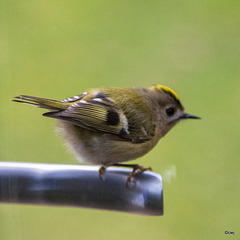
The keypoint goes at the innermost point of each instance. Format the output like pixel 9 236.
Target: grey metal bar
pixel 80 186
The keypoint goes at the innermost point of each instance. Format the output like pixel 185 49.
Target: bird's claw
pixel 136 169
pixel 101 171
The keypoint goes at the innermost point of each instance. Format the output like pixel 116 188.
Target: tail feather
pixel 41 102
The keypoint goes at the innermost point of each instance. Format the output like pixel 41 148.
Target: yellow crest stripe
pixel 166 89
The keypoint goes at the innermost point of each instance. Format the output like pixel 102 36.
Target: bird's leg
pixel 136 168
pixel 101 171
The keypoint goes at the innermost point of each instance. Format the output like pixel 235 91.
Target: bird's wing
pixel 101 115
pixel 94 114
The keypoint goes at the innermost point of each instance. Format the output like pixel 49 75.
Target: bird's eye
pixel 170 111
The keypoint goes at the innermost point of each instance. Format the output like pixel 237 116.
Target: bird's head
pixel 170 109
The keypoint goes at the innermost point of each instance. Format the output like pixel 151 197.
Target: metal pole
pixel 80 186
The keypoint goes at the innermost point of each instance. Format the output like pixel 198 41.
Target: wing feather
pixel 97 111
pixel 99 116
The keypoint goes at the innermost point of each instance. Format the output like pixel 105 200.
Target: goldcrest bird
pixel 108 126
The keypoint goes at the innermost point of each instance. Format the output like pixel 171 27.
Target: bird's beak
pixel 186 115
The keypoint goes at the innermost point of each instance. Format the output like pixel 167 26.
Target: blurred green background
pixel 57 49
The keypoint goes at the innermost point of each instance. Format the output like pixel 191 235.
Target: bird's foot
pixel 136 169
pixel 101 171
